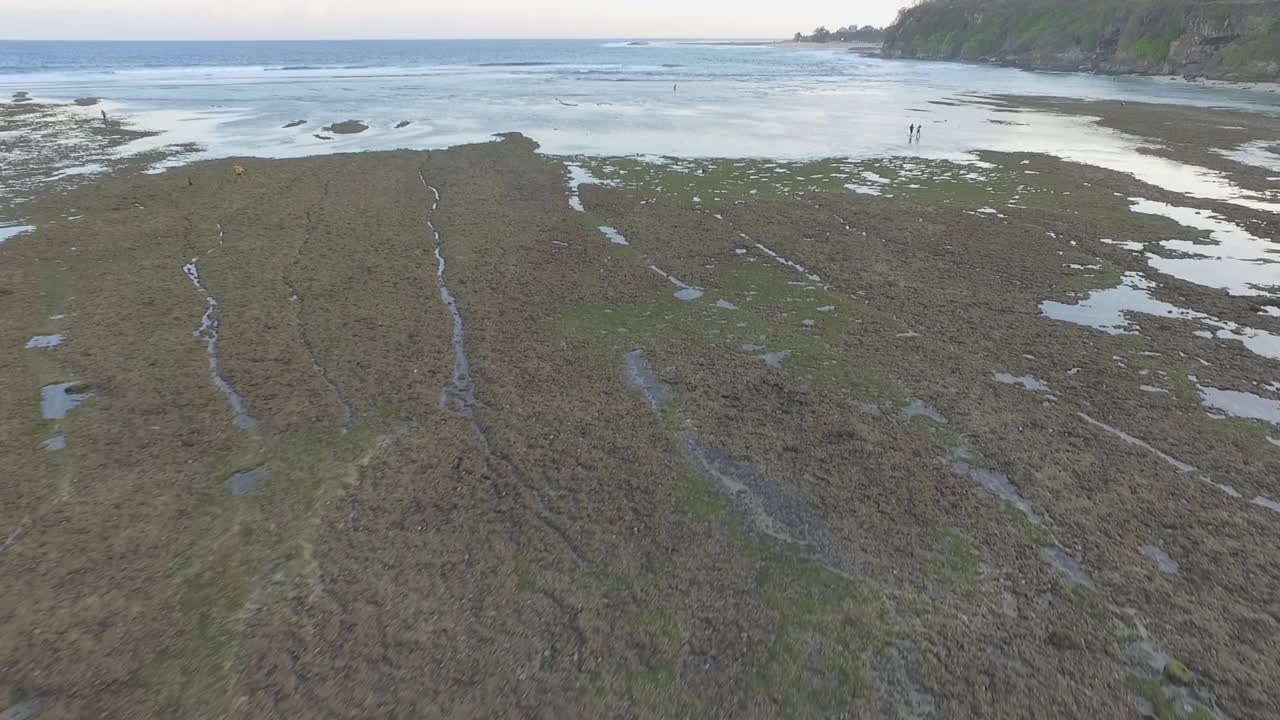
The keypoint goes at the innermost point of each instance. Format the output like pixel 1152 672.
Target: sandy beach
pixel 487 432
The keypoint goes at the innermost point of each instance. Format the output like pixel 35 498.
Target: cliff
pixel 1234 39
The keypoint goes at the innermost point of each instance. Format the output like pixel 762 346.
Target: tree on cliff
pixel 851 33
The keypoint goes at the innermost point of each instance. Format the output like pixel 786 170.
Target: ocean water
pixel 574 97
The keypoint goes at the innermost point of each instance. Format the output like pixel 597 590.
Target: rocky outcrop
pixel 1235 40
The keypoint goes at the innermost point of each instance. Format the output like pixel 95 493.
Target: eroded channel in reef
pixel 459 397
pixel 208 331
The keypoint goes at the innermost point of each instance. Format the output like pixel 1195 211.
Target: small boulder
pixel 86 101
pixel 402 124
pixel 294 124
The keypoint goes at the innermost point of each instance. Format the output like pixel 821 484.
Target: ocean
pixel 597 97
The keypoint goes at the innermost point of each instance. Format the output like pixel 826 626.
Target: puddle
pixel 864 189
pixel 55 443
pixel 614 236
pixel 920 408
pixel 460 395
pixel 208 330
pixel 1027 382
pixel 1070 568
pixel 243 483
pixel 1181 466
pixel 725 305
pixel 1267 503
pixel 9 230
pixel 578 176
pixel 1107 310
pixel 1229 490
pixel 1126 244
pixel 1240 404
pixel 998 484
pixel 774 359
pixel 1235 260
pixel 639 375
pixel 59 399
pixel 743 483
pixel 1256 153
pixel 787 263
pixel 686 292
pixel 29 709
pixel 867 408
pixel 761 498
pixel 1166 564
pixel 45 341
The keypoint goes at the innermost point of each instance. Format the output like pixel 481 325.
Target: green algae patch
pixel 825 628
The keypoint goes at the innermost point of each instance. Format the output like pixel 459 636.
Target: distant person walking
pixel 911 131
pixel 918 129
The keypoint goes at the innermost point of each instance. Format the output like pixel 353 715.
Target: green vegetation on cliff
pixel 1238 38
pixel 852 33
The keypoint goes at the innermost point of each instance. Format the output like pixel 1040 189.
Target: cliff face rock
pixel 1235 39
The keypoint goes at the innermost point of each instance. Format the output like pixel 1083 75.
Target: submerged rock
pixel 403 124
pixel 346 127
pixel 243 483
pixel 1178 673
pixel 86 101
pixel 294 124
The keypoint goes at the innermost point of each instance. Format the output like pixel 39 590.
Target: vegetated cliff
pixel 1229 39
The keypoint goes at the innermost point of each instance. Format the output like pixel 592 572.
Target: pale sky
pixel 309 19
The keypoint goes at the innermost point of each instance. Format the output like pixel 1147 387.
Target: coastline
pixel 1269 86
pixel 862 47
pixel 889 310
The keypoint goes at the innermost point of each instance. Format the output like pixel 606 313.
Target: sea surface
pixel 574 97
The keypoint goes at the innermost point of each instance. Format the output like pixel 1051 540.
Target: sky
pixel 334 19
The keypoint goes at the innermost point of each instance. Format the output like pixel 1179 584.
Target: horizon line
pixel 649 38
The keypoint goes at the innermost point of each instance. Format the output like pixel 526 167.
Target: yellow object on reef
pixel 238 170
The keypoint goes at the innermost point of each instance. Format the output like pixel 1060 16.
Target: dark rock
pixel 294 124
pixel 346 127
pixel 1064 640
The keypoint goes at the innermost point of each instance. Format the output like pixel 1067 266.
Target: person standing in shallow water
pixel 911 131
pixel 918 129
